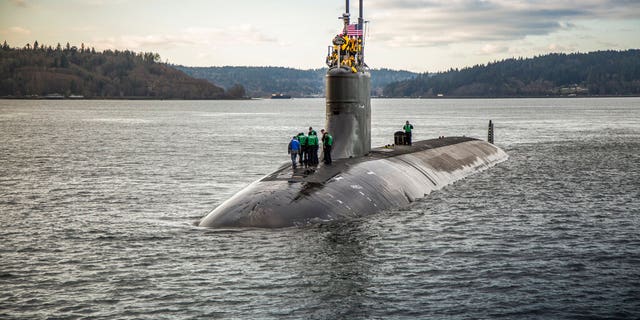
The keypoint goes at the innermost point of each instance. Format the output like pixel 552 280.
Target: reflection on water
pixel 343 282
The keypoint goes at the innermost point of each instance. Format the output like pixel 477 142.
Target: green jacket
pixel 407 128
pixel 327 140
pixel 303 139
pixel 312 140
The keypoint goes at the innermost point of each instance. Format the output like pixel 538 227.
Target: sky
pixel 414 35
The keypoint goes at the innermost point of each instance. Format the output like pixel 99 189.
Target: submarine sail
pixel 348 91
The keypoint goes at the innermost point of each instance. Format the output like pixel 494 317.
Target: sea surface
pixel 98 201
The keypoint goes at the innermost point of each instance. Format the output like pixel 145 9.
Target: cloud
pixel 16 31
pixel 19 3
pixel 190 37
pixel 554 47
pixel 424 23
pixel 245 35
pixel 101 3
pixel 492 49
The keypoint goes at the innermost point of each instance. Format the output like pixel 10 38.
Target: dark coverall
pixel 312 149
pixel 327 143
pixel 304 154
pixel 407 133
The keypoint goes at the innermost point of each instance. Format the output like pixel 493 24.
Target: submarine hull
pixel 384 179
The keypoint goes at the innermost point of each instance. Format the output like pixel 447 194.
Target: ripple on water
pixel 98 205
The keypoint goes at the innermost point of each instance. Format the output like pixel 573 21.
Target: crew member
pixel 327 142
pixel 312 142
pixel 304 154
pixel 312 150
pixel 407 132
pixel 293 150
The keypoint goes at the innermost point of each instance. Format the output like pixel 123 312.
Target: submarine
pixel 360 181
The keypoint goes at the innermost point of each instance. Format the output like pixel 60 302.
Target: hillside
pixel 610 73
pixel 37 71
pixel 263 81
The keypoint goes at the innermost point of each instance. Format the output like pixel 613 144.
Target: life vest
pixel 352 64
pixel 407 128
pixel 353 45
pixel 345 44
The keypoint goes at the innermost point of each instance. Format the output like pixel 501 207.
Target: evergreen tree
pixel 64 62
pixel 25 72
pixel 596 73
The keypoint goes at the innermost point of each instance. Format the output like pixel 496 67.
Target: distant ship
pixel 280 96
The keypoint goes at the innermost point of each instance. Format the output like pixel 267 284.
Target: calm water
pixel 98 201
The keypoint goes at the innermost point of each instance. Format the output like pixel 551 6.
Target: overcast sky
pixel 415 35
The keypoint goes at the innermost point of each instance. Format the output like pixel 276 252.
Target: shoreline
pixel 259 98
pixel 116 98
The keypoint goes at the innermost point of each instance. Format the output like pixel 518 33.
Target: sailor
pixel 345 43
pixel 312 149
pixel 293 150
pixel 303 149
pixel 353 45
pixel 327 142
pixel 407 132
pixel 352 63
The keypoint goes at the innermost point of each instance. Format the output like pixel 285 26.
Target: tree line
pixel 600 73
pixel 264 81
pixel 37 70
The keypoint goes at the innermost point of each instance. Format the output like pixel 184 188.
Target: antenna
pixel 359 17
pixel 346 16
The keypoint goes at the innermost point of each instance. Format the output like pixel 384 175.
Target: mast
pixel 346 17
pixel 361 27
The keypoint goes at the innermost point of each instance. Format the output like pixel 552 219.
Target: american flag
pixel 354 30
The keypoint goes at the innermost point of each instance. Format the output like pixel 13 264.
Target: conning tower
pixel 348 90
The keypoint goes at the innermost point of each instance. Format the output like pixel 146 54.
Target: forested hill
pixel 610 73
pixel 263 81
pixel 40 71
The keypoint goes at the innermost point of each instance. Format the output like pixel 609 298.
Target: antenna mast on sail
pixel 346 17
pixel 361 28
pixel 348 46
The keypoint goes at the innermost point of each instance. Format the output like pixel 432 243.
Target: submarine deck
pixel 323 173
